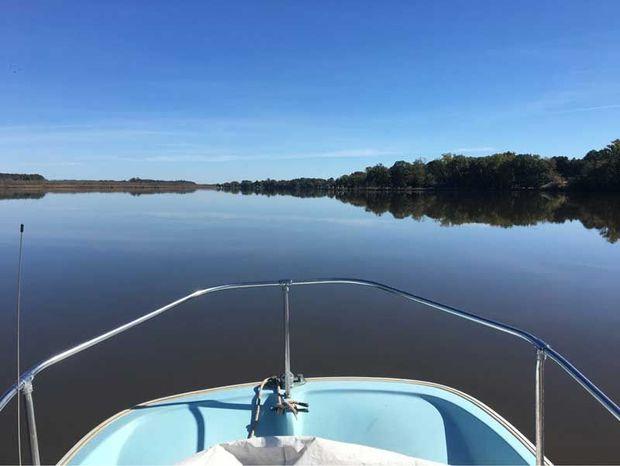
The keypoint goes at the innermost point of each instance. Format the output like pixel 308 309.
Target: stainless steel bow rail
pixel 543 350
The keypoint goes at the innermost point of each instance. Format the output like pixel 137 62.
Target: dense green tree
pixel 400 174
pixel 567 168
pixel 601 169
pixel 377 176
pixel 21 177
pixel 417 178
pixel 531 171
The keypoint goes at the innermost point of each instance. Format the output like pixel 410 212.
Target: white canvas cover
pixel 300 451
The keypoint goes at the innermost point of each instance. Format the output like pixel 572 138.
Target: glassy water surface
pixel 548 263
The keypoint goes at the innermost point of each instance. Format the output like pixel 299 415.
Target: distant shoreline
pixel 83 186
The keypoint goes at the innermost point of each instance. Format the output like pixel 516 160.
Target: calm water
pixel 549 264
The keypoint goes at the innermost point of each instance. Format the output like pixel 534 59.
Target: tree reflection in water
pixel 499 208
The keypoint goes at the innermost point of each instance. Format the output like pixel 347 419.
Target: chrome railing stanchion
pixel 32 426
pixel 540 407
pixel 288 375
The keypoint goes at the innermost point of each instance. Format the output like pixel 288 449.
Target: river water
pixel 549 264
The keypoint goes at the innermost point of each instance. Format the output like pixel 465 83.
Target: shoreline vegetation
pixel 597 171
pixel 599 211
pixel 13 185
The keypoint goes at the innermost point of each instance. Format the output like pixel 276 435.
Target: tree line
pixel 598 170
pixel 7 177
pixel 21 177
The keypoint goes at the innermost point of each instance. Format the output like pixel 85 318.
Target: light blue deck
pixel 415 419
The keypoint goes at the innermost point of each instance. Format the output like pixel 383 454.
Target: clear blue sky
pixel 213 91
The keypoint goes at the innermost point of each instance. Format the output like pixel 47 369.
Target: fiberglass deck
pixel 418 419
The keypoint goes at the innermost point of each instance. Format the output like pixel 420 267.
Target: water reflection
pixel 36 193
pixel 12 194
pixel 501 209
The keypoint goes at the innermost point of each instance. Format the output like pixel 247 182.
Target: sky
pixel 228 90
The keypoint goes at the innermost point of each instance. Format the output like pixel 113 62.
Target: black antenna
pixel 18 318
